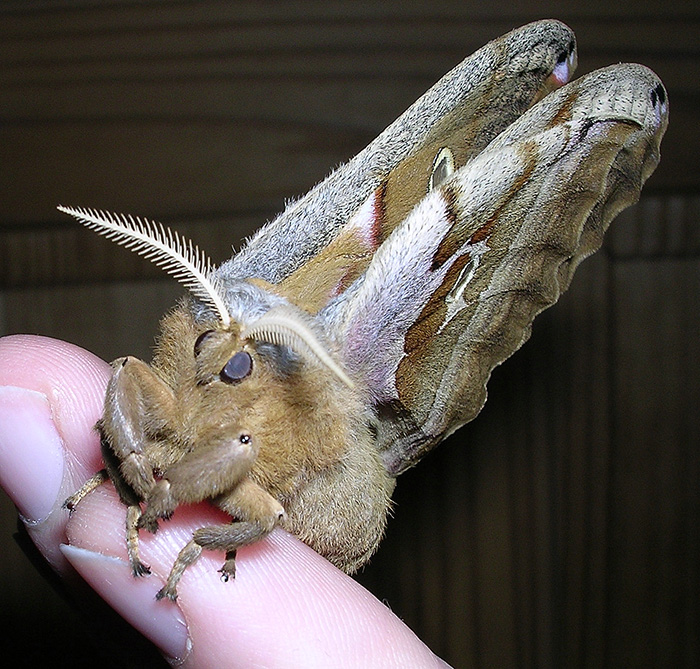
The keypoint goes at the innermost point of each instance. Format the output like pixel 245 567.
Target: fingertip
pixel 288 606
pixel 73 381
pixel 28 437
pixel 54 394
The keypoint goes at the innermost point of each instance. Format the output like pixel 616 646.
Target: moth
pixel 359 328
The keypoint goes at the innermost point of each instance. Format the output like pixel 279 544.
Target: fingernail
pixel 134 599
pixel 31 452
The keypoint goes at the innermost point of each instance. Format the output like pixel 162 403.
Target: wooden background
pixel 561 527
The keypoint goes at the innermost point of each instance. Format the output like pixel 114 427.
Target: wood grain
pixel 559 529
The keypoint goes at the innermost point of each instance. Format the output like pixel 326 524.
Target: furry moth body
pixel 358 329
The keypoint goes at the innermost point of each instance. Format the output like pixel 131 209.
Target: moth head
pixel 220 355
pixel 268 377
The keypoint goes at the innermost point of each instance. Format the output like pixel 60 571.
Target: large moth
pixel 358 329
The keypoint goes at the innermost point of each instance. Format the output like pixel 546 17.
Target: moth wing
pixel 471 104
pixel 452 293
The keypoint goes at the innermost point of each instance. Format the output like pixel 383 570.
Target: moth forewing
pixel 471 104
pixel 504 233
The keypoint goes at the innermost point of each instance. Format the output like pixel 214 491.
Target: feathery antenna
pixel 279 326
pixel 167 249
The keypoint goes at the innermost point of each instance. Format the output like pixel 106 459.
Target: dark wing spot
pixel 566 53
pixel 658 95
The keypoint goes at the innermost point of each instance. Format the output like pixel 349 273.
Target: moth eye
pixel 237 368
pixel 443 167
pixel 245 438
pixel 200 341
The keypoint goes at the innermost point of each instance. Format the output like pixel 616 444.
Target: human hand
pixel 287 607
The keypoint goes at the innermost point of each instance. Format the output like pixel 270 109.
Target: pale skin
pixel 287 605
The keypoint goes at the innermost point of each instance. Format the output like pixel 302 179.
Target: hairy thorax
pixel 315 444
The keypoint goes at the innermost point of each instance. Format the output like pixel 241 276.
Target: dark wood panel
pixel 561 528
pixel 657 227
pixel 119 15
pixel 653 523
pixel 67 254
pixel 223 98
pixel 110 319
pixel 161 42
pixel 64 253
pixel 161 169
pixel 342 90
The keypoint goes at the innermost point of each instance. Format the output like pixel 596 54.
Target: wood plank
pixel 111 320
pixel 653 580
pixel 561 527
pixel 89 16
pixel 657 227
pixel 161 169
pixel 378 84
pixel 142 44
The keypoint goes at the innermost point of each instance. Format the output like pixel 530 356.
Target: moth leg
pixel 133 391
pixel 189 554
pixel 228 570
pixel 138 408
pixel 160 504
pixel 257 513
pixel 249 502
pixel 138 568
pixel 95 481
pixel 220 463
pixel 215 537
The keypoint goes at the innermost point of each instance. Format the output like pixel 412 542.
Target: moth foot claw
pixel 228 570
pixel 139 569
pixel 167 593
pixel 148 523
